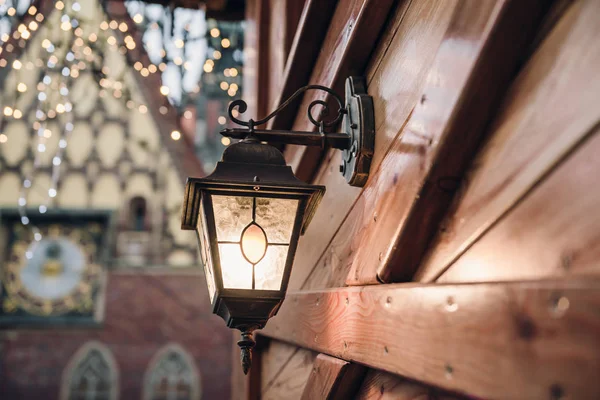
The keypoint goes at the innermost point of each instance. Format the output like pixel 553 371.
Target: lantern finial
pixel 246 345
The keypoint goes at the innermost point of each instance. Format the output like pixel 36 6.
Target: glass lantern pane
pixel 269 272
pixel 237 272
pixel 205 253
pixel 232 215
pixel 276 217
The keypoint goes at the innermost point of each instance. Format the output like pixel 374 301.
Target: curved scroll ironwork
pixel 242 107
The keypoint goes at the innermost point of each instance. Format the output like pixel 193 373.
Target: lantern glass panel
pixel 205 253
pixel 253 236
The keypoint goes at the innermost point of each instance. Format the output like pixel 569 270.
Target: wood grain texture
pixel 332 379
pixel 379 385
pixel 550 107
pixel 416 182
pixel 350 39
pixel 289 384
pixel 274 359
pixel 541 337
pixel 303 52
pixel 554 231
pixel 418 29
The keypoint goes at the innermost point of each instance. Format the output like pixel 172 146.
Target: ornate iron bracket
pixel 358 123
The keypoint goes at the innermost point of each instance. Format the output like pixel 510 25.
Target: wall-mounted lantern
pixel 250 212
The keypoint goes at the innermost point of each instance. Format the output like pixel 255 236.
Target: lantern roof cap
pixel 251 151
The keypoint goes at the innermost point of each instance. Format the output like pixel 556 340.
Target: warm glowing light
pixel 143 109
pixel 210 62
pixel 47 133
pixel 21 87
pixel 104 25
pixel 113 24
pixel 216 54
pixel 17 64
pixel 111 40
pixel 11 11
pixel 187 114
pixel 224 85
pixel 178 60
pixel 144 72
pixel 175 135
pixel 17 114
pixel 225 141
pixel 225 43
pixel 33 25
pixel 32 10
pixel 222 120
pixel 59 5
pixel 123 27
pixel 130 45
pixel 65 26
pixel 152 68
pixel 214 32
pixel 254 243
pixel 179 43
pixel 93 37
pixel 138 66
pixel 138 18
pixel 162 66
pixel 226 72
pixel 233 72
pixel 208 68
pixel 231 92
pixel 233 87
pixel 8 111
pixel 39 17
pixel 164 90
pixel 3 138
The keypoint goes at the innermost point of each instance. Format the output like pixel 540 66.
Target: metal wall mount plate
pixel 359 125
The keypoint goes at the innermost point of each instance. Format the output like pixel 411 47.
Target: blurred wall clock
pixel 58 279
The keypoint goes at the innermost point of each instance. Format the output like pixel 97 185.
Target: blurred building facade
pixel 87 128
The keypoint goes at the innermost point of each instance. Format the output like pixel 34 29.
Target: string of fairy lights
pixel 61 63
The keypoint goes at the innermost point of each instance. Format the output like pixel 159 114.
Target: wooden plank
pixel 289 384
pixel 274 359
pixel 351 37
pixel 312 28
pixel 418 29
pixel 419 174
pixel 495 340
pixel 550 107
pixel 383 386
pixel 554 230
pixel 332 379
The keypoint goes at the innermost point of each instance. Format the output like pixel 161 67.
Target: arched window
pixel 137 214
pixel 91 374
pixel 172 375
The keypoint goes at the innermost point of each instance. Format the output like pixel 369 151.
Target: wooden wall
pixel 485 172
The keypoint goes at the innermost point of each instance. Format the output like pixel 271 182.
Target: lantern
pixel 250 212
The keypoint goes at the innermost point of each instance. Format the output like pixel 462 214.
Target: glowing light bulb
pixel 254 243
pixel 214 32
pixel 216 54
pixel 225 43
pixel 138 18
pixel 3 138
pixel 222 120
pixel 17 64
pixel 164 90
pixel 175 135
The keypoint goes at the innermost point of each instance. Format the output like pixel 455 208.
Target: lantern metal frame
pixel 252 168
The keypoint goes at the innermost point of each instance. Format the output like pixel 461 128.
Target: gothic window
pixel 172 375
pixel 137 214
pixel 90 375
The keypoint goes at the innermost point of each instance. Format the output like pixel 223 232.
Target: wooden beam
pixel 420 174
pixel 532 134
pixel 351 37
pixel 407 48
pixel 554 229
pixel 303 53
pixel 332 379
pixel 500 340
pixel 289 383
pixel 379 385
